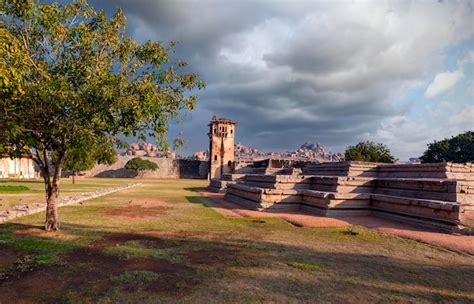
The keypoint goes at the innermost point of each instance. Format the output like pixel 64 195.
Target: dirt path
pixel 455 242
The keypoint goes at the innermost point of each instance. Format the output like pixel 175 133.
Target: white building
pixel 17 167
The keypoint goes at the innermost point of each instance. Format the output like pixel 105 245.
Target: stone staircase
pixel 439 195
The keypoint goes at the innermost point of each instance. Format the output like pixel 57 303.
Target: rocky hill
pixel 307 151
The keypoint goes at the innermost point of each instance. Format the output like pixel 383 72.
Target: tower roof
pixel 221 120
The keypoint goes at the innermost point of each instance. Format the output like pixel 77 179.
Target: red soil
pixel 135 212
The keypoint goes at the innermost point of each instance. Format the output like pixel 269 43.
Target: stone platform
pixel 440 195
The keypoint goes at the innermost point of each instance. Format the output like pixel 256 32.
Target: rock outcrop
pixel 307 151
pixel 149 150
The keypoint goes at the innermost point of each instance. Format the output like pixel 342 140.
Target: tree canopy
pixel 370 152
pixel 69 74
pixel 141 165
pixel 458 149
pixel 87 155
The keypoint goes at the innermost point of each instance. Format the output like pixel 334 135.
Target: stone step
pixel 420 209
pixel 433 170
pixel 417 188
pixel 217 185
pixel 450 197
pixel 283 186
pixel 334 200
pixel 233 177
pixel 277 178
pixel 426 203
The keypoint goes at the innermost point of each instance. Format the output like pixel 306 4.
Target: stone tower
pixel 221 146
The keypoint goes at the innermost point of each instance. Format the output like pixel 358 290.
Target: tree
pixel 141 165
pixel 458 149
pixel 85 81
pixel 370 152
pixel 178 142
pixel 86 156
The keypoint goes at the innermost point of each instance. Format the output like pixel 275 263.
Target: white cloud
pixel 464 120
pixel 443 82
pixel 468 58
pixel 408 137
pixel 405 137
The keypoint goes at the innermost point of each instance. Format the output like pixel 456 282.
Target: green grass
pixel 191 253
pixel 13 188
pixel 306 266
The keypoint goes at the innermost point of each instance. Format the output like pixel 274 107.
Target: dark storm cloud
pixel 289 72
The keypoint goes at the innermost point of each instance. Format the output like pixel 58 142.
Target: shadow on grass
pixel 214 270
pixel 194 189
pixel 201 200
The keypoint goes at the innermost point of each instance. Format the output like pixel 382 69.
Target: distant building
pixel 17 167
pixel 221 146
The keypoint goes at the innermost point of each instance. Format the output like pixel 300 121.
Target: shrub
pixel 370 152
pixel 140 165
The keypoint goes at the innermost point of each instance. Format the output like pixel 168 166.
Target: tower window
pixel 229 164
pixel 231 131
pixel 215 157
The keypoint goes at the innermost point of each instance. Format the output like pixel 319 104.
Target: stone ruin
pixel 146 149
pixel 201 155
pixel 438 194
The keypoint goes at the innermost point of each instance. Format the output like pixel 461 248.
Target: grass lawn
pixel 13 192
pixel 160 242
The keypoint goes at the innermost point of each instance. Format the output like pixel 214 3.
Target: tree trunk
pixel 52 193
pixel 52 219
pixel 73 177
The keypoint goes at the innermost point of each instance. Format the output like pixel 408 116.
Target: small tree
pixel 370 152
pixel 178 142
pixel 140 165
pixel 458 149
pixel 86 156
pixel 69 74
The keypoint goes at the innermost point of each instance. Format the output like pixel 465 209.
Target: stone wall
pixel 167 168
pixel 17 167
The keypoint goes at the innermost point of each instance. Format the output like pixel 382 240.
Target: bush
pixel 457 149
pixel 370 152
pixel 140 165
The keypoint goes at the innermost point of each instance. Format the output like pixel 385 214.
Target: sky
pixel 334 72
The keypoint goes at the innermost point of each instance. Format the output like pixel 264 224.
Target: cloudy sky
pixel 334 72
